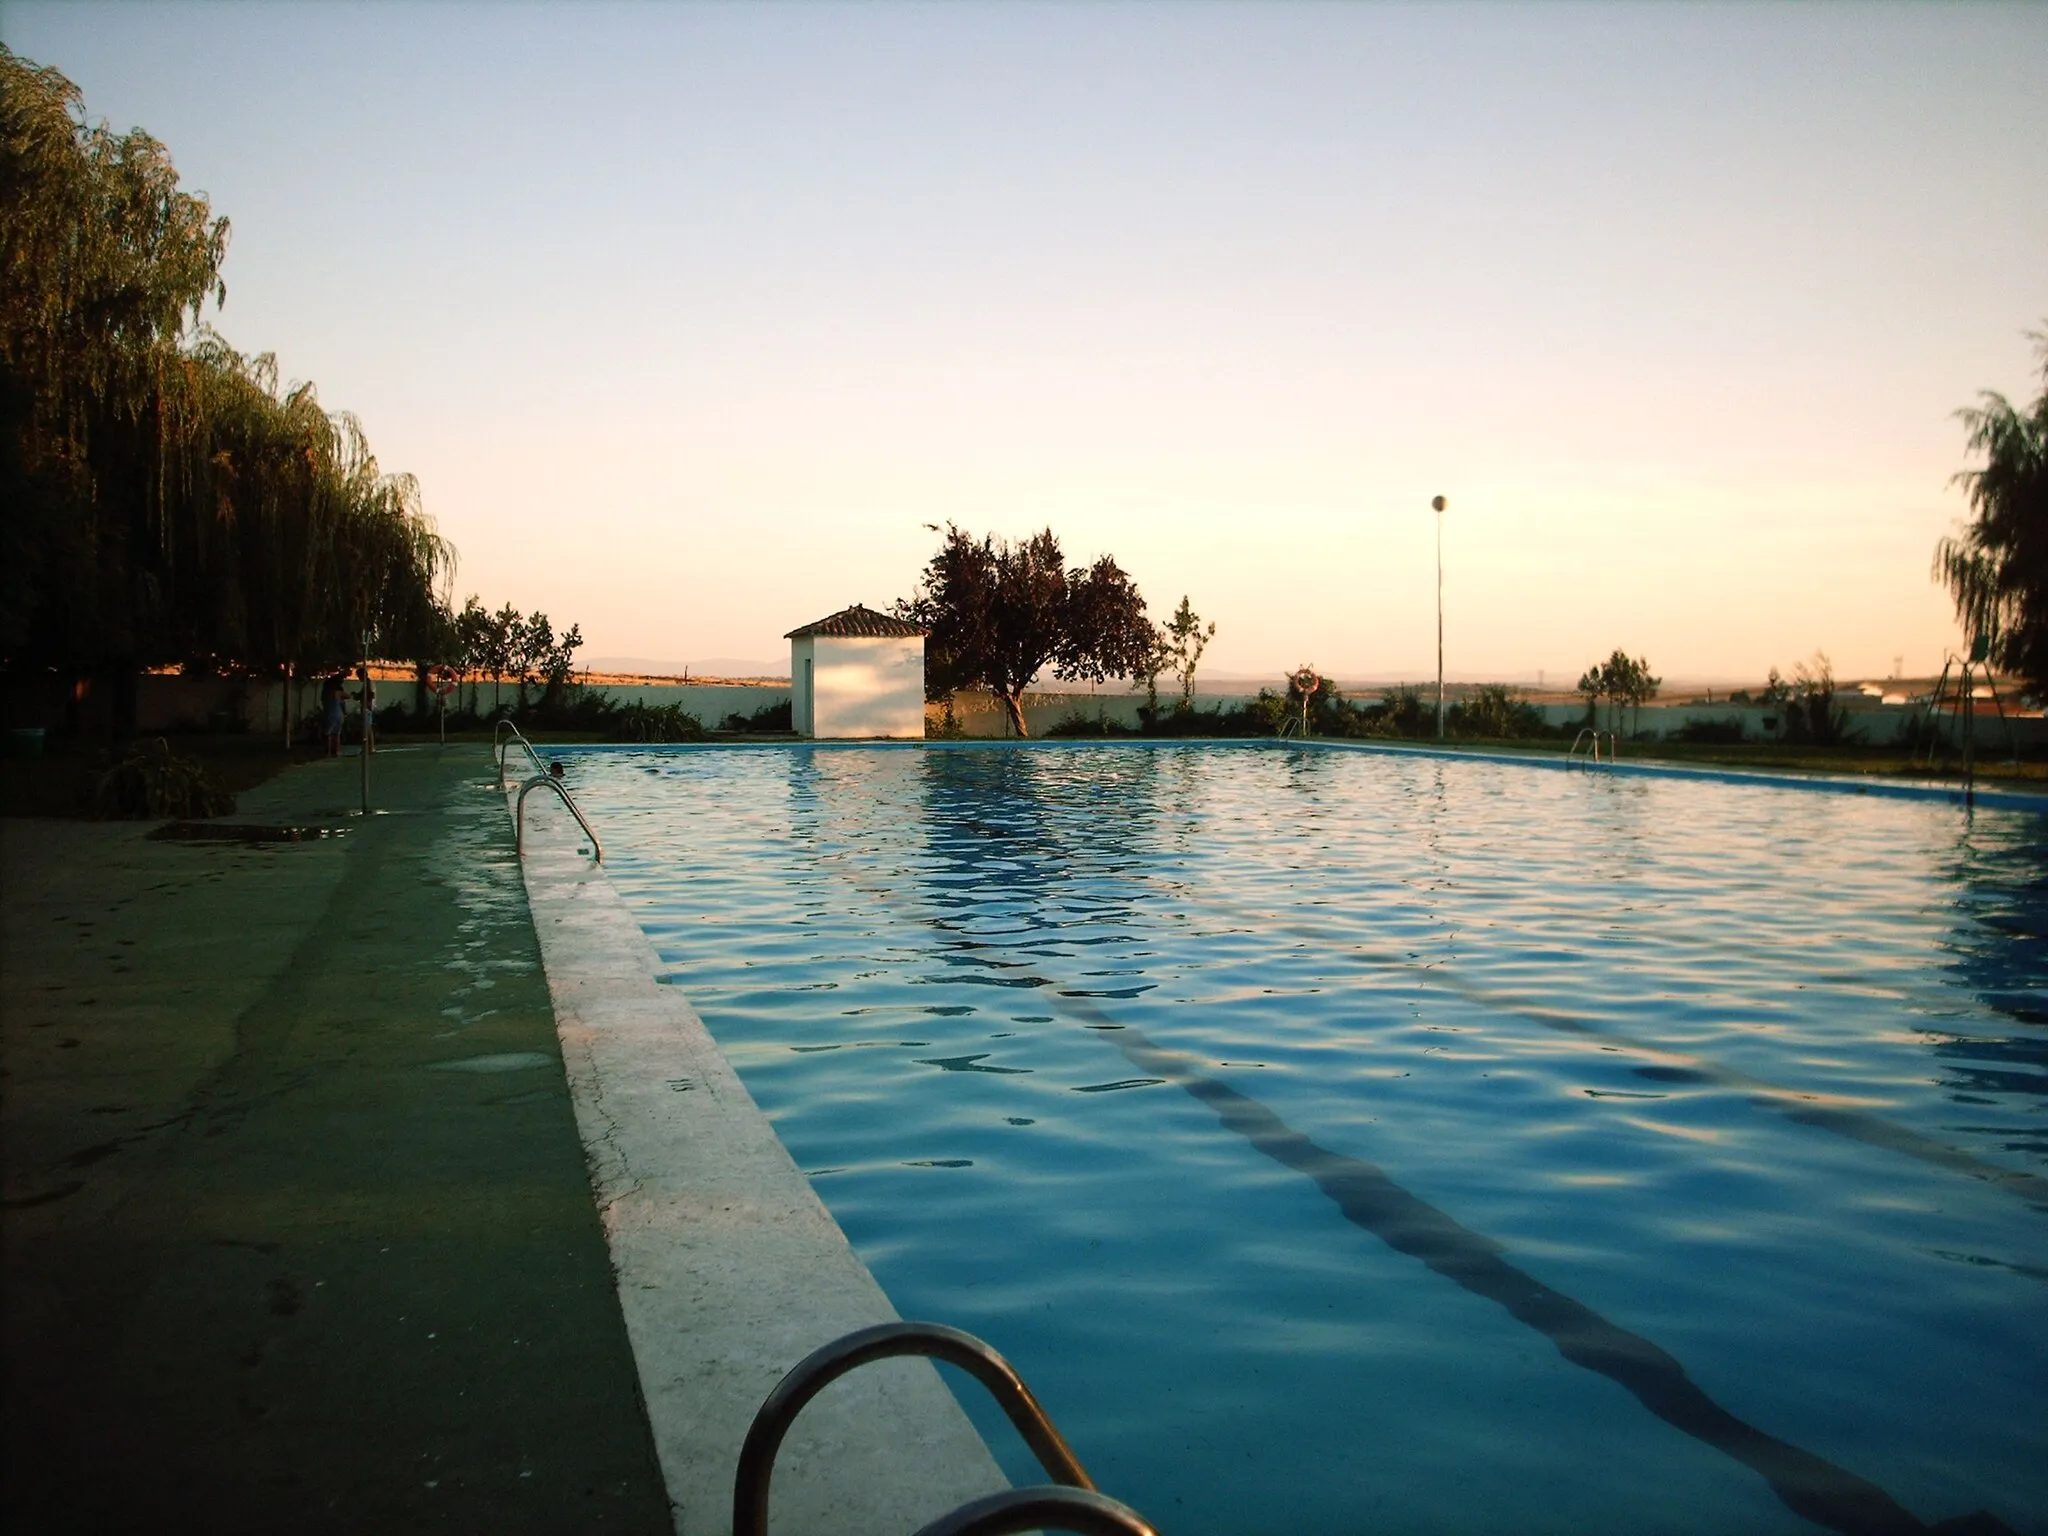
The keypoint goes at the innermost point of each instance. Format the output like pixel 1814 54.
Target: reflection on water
pixel 1750 1076
pixel 1999 954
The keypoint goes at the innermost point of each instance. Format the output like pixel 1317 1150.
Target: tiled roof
pixel 858 621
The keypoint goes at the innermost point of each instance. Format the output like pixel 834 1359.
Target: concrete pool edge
pixel 729 1269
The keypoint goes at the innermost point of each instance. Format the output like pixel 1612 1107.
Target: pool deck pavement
pixel 299 1228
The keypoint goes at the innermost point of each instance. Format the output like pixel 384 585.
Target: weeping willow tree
pixel 311 555
pixel 168 501
pixel 103 263
pixel 1996 568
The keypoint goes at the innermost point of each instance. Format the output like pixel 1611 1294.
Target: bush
pixel 1718 733
pixel 769 717
pixel 1401 712
pixel 151 781
pixel 1495 711
pixel 1263 716
pixel 652 723
pixel 1077 722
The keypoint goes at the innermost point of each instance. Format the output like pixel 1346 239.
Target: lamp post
pixel 1439 503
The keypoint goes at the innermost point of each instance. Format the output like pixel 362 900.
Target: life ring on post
pixel 442 681
pixel 1305 681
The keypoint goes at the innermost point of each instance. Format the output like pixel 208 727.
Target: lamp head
pixel 1438 502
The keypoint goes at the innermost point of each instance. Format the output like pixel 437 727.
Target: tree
pixel 1812 716
pixel 997 614
pixel 166 500
pixel 1624 681
pixel 1996 567
pixel 472 644
pixel 501 647
pixel 532 643
pixel 1638 688
pixel 102 260
pixel 559 665
pixel 1593 684
pixel 1181 643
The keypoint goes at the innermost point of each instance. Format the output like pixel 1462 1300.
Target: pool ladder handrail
pixel 1594 758
pixel 1071 1503
pixel 500 746
pixel 527 787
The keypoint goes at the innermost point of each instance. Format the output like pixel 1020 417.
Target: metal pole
pixel 1969 738
pixel 363 676
pixel 1439 503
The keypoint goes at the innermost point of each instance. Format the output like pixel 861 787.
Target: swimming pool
pixel 1350 1142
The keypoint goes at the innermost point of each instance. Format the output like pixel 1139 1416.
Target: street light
pixel 1439 503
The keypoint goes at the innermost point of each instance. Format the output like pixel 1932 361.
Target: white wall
pixel 803 711
pixel 866 686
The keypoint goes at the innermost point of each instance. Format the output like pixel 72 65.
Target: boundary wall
pixel 176 703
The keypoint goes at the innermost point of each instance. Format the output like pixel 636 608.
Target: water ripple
pixel 1758 1075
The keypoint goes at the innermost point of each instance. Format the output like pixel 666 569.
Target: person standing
pixel 333 693
pixel 366 696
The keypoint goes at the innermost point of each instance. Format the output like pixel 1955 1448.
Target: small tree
pixel 998 613
pixel 1813 716
pixel 1624 681
pixel 1996 568
pixel 472 644
pixel 1182 639
pixel 533 643
pixel 1593 684
pixel 501 647
pixel 1639 688
pixel 558 665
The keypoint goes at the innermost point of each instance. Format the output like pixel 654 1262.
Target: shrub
pixel 1401 712
pixel 1263 716
pixel 769 717
pixel 1495 711
pixel 152 781
pixel 1725 732
pixel 1075 723
pixel 654 723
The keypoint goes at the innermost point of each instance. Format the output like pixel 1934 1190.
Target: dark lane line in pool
pixel 1810 1486
pixel 1799 1107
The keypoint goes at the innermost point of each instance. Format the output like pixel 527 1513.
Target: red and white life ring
pixel 442 681
pixel 1305 681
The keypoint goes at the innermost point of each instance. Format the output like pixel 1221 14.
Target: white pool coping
pixel 729 1267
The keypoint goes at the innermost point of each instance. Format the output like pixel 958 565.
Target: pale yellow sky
pixel 688 318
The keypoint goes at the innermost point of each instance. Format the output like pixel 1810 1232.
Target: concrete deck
pixel 730 1268
pixel 298 1227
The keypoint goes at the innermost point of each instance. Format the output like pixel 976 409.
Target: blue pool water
pixel 1343 1141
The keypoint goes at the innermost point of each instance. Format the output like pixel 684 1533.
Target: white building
pixel 857 673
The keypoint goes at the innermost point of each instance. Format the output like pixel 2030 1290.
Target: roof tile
pixel 858 622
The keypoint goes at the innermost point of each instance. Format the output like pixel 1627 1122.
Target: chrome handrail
pixel 1041 1509
pixel 500 746
pixel 1578 740
pixel 528 787
pixel 984 1517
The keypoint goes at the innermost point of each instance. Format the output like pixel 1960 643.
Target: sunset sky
pixel 690 317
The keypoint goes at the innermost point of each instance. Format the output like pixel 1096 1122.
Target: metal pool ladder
pixel 1069 1503
pixel 1592 759
pixel 501 745
pixel 529 785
